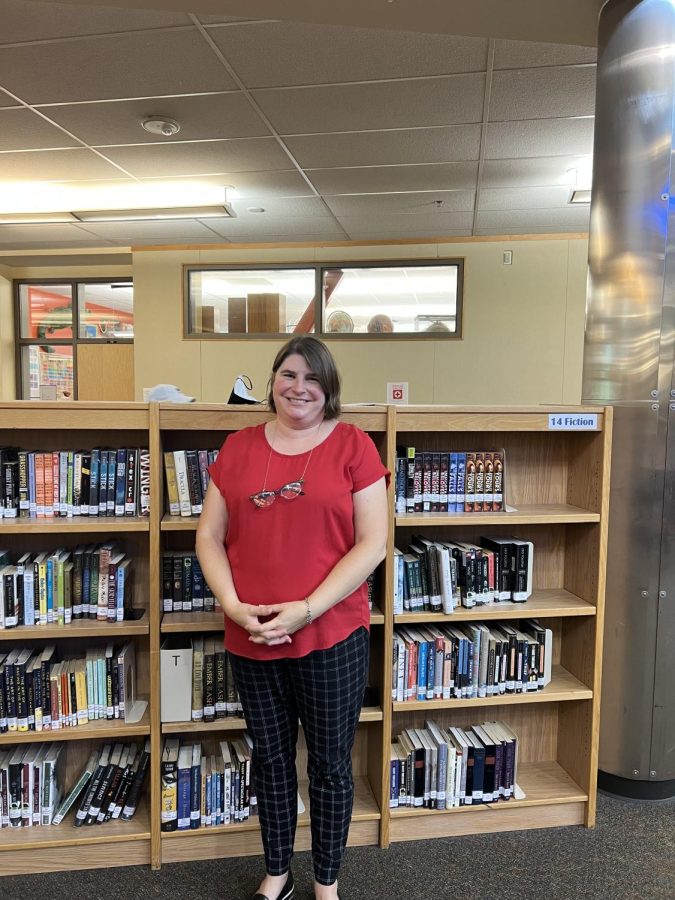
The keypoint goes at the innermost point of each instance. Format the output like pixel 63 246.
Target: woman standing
pixel 294 521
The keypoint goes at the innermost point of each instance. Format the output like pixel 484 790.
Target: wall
pixel 7 359
pixel 522 341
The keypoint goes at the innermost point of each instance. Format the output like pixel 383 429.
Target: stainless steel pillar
pixel 628 363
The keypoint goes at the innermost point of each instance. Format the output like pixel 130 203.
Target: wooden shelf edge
pixel 562 687
pixel 75 525
pixel 544 784
pixel 524 515
pixel 80 628
pixel 102 729
pixel 64 835
pixel 546 603
pixel 179 523
pixel 238 723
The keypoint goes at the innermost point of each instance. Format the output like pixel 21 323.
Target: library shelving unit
pixel 201 426
pixel 557 491
pixel 557 494
pixel 74 426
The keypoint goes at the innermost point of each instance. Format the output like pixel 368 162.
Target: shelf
pixel 80 628
pixel 238 723
pixel 563 686
pixel 376 616
pixel 66 835
pixel 75 525
pixel 543 783
pixel 365 810
pixel 192 621
pixel 102 729
pixel 201 621
pixel 542 604
pixel 179 523
pixel 534 514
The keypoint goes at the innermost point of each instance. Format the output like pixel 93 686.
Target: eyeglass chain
pixel 269 458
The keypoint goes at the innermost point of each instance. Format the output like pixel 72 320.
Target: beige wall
pixel 7 359
pixel 522 335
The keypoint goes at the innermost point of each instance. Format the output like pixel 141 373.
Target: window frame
pixel 21 342
pixel 319 269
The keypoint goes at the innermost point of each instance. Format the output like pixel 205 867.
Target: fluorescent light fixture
pixel 144 215
pixel 580 197
pixel 42 203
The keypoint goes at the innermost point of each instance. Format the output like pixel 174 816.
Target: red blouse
pixel 282 553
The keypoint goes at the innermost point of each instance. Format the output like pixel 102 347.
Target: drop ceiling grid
pixel 381 123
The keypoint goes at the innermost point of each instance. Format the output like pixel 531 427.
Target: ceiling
pixel 337 133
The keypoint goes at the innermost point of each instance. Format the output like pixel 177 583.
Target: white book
pixel 182 482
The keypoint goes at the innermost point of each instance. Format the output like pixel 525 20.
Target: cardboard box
pixel 176 679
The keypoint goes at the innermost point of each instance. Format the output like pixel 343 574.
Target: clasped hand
pixel 286 619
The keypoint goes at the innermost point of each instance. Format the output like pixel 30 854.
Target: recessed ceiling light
pixel 580 197
pixel 255 209
pixel 160 125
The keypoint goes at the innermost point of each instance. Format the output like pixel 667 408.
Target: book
pixel 169 785
pixel 80 785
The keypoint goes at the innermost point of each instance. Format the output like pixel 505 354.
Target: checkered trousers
pixel 325 691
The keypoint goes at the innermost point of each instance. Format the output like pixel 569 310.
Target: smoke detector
pixel 160 125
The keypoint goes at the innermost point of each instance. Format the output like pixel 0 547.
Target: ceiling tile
pixel 260 226
pixel 532 229
pixel 383 179
pixel 22 129
pixel 540 218
pixel 59 233
pixel 422 223
pixel 403 204
pixel 200 158
pixel 200 117
pixel 543 93
pixel 6 100
pixel 26 21
pixel 255 185
pixel 524 198
pixel 51 245
pixel 284 53
pixel 56 165
pixel 180 231
pixel 356 107
pixel 533 171
pixel 300 207
pixel 539 137
pixel 143 64
pixel 420 145
pixel 523 54
pixel 405 232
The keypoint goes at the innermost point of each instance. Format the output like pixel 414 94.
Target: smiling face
pixel 298 396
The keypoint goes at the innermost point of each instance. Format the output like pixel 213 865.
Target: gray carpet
pixel 630 854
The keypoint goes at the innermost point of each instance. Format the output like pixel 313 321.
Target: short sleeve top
pixel 282 553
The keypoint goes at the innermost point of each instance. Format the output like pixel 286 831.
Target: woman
pixel 294 521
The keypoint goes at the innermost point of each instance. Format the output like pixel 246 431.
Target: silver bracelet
pixel 309 618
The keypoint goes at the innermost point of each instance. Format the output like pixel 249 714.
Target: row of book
pixel 67 584
pixel 201 789
pixel 187 478
pixel 109 787
pixel 212 692
pixel 184 588
pixel 449 482
pixel 38 692
pixel 471 660
pixel 98 482
pixel 439 576
pixel 441 768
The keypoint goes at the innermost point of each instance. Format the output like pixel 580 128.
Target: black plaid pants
pixel 324 690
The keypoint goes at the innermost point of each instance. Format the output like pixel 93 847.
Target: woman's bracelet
pixel 309 618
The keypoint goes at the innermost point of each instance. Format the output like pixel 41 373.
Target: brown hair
pixel 320 360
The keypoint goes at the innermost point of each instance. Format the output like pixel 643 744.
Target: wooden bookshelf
pixel 74 426
pixel 557 496
pixel 557 487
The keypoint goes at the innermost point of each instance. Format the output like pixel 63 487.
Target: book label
pixel 573 422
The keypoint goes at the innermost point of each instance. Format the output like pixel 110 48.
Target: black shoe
pixel 286 892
